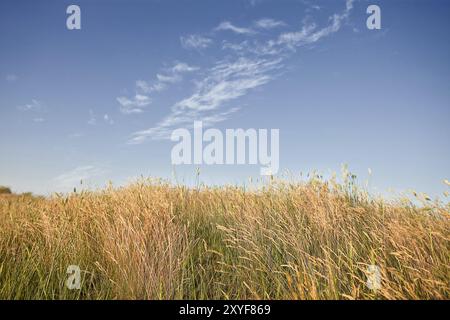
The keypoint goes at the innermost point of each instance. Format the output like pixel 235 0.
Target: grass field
pixel 154 240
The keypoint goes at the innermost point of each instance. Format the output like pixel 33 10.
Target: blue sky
pixel 99 103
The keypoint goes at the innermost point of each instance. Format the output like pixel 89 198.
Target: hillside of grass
pixel 154 240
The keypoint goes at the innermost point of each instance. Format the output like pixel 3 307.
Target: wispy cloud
pixel 228 26
pixel 226 81
pixel 145 87
pixel 164 129
pixel 134 105
pixel 252 47
pixel 93 118
pixel 137 103
pixel 74 177
pixel 34 105
pixel 268 23
pixel 107 118
pixel 310 34
pixel 311 6
pixel 195 41
pixel 173 78
pixel 255 64
pixel 181 67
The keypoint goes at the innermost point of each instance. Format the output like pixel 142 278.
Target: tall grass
pixel 154 240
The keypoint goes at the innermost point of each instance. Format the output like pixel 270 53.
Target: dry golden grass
pixel 153 240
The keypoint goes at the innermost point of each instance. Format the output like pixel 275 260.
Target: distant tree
pixel 5 190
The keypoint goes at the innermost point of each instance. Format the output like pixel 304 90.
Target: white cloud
pixel 181 67
pixel 165 128
pixel 134 105
pixel 309 33
pixel 195 41
pixel 38 120
pixel 253 47
pixel 311 6
pixel 160 84
pixel 225 82
pixel 145 87
pixel 108 119
pixel 228 26
pixel 173 75
pixel 168 78
pixel 298 37
pixel 228 81
pixel 267 23
pixel 142 99
pixel 74 177
pixel 255 63
pixel 35 105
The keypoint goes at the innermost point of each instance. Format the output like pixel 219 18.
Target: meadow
pixel 284 240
